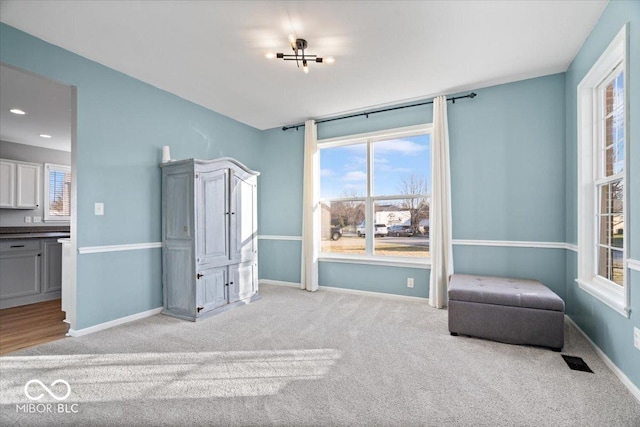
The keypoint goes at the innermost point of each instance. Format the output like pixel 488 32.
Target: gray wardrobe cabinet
pixel 209 235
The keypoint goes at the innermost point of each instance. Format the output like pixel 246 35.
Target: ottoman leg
pixel 455 334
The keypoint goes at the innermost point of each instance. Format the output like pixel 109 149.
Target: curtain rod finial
pixel 472 95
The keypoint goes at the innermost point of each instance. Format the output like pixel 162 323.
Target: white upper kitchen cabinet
pixel 20 184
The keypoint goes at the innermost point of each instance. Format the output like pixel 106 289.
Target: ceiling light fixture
pixel 298 46
pixel 44 135
pixel 18 111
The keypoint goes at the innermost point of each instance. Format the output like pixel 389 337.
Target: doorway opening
pixel 38 214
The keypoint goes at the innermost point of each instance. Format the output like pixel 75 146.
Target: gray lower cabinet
pixel 51 265
pixel 212 289
pixel 209 233
pixel 242 281
pixel 19 268
pixel 30 271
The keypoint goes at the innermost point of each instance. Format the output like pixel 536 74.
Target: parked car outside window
pixel 400 230
pixel 336 233
pixel 380 230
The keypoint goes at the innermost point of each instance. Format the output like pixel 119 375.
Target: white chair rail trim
pixel 514 244
pixel 633 264
pixel 118 248
pixel 275 237
pixel 468 242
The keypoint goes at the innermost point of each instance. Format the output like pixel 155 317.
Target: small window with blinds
pixel 57 189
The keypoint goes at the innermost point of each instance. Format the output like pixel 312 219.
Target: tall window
pixel 375 194
pixel 602 142
pixel 57 185
pixel 609 182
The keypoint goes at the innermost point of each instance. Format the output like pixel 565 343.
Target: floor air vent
pixel 576 363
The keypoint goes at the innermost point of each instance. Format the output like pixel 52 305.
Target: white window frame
pixel 370 138
pixel 590 133
pixel 47 168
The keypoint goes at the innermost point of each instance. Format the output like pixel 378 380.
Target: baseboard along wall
pixel 112 323
pixel 618 373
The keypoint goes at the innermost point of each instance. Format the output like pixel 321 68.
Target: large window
pixel 609 182
pixel 375 194
pixel 602 130
pixel 57 189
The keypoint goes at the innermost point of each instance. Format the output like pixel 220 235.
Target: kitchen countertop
pixel 42 232
pixel 44 235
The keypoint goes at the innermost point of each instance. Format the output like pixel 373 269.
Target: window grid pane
pixel 611 232
pixel 612 150
pixel 401 166
pixel 338 227
pixel 403 227
pixel 59 193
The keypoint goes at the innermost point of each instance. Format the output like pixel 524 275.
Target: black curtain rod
pixel 366 113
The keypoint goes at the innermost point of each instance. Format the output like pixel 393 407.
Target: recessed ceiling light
pixel 44 135
pixel 18 111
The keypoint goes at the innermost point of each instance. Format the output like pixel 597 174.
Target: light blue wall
pixel 507 166
pixel 507 162
pixel 122 125
pixel 279 260
pixel 612 332
pixel 280 190
pixel 374 278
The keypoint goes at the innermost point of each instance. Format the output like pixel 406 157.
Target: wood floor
pixel 29 325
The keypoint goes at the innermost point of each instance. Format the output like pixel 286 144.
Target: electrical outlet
pixel 37 219
pixel 27 219
pixel 636 337
pixel 410 282
pixel 99 208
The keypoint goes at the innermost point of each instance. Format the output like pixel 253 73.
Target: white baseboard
pixel 112 323
pixel 618 373
pixel 344 290
pixel 373 294
pixel 279 283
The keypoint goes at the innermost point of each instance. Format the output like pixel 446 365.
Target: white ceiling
pixel 48 108
pixel 212 53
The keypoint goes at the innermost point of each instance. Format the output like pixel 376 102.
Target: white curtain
pixel 440 212
pixel 310 233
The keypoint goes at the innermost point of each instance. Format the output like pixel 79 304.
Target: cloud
pixel 400 146
pixel 387 168
pixel 326 172
pixel 355 163
pixel 355 176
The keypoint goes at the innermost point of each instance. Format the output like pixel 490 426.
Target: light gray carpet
pixel 298 358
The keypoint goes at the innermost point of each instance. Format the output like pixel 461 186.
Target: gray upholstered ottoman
pixel 513 311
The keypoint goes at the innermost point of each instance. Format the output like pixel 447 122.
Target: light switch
pixel 99 208
pixel 37 219
pixel 27 219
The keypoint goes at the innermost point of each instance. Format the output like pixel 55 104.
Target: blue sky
pixel 343 170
